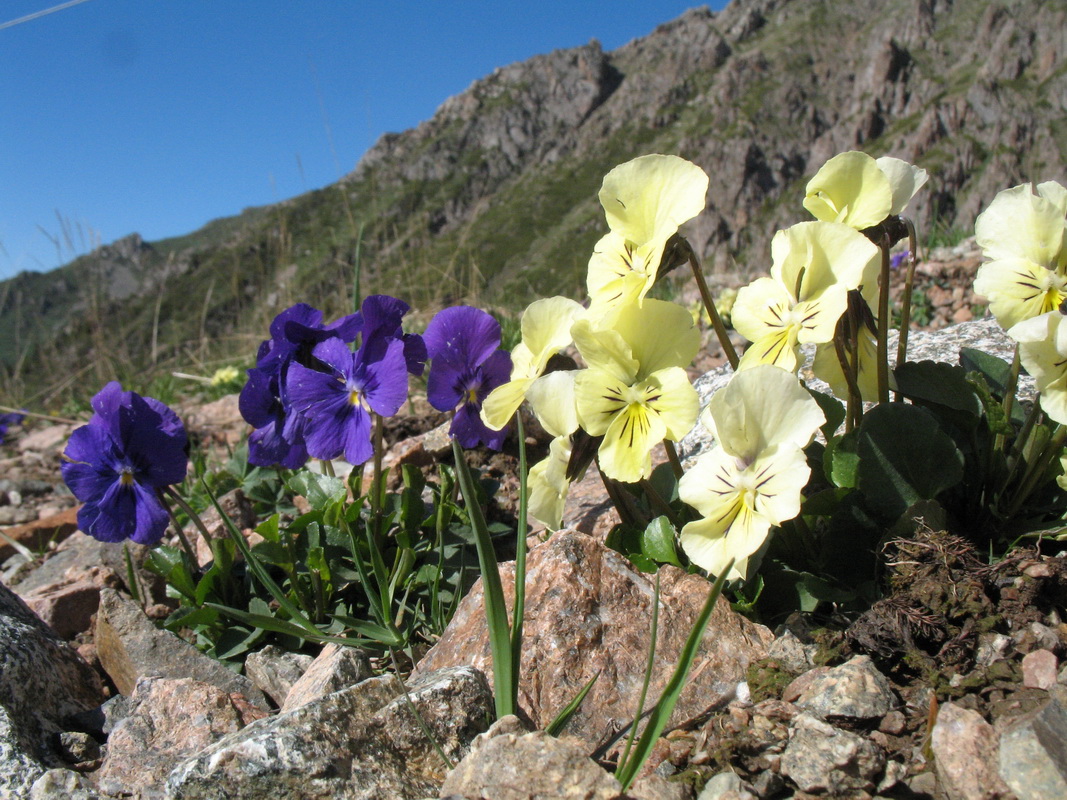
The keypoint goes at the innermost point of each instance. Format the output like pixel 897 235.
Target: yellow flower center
pixel 126 477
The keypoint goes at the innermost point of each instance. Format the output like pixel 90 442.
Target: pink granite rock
pixel 588 611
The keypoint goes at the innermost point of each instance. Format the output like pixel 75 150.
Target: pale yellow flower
pixel 859 191
pixel 1025 235
pixel 1043 351
pixel 546 330
pixel 753 478
pixel 548 485
pixel 635 392
pixel 644 200
pixel 815 264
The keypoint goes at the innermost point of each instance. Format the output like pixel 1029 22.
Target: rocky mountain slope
pixel 494 198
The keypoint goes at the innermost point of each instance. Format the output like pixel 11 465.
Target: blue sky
pixel 157 116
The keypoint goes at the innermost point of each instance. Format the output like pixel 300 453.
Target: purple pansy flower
pixel 336 405
pixel 278 436
pixel 897 259
pixel 382 315
pixel 262 408
pixel 9 419
pixel 132 447
pixel 465 366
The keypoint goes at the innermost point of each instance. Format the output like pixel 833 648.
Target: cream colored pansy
pixel 1043 351
pixel 635 392
pixel 1025 235
pixel 546 330
pixel 753 478
pixel 548 484
pixel 815 264
pixel 644 200
pixel 827 367
pixel 859 191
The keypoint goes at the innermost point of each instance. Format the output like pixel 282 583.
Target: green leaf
pixel 940 386
pixel 496 614
pixel 657 542
pixel 905 457
pixel 321 491
pixel 663 709
pixel 268 528
pixel 824 503
pixel 832 408
pixel 996 371
pixel 841 460
pixel 169 563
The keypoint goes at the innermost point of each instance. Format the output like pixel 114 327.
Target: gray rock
pixel 274 670
pixel 19 766
pixel 335 668
pixel 131 647
pixel 170 719
pixel 821 758
pixel 965 754
pixel 793 654
pixel 529 766
pixel 77 747
pixel 358 743
pixel 726 784
pixel 854 690
pixel 42 682
pixel 1033 751
pixel 65 784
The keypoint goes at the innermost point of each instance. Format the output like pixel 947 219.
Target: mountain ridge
pixel 493 199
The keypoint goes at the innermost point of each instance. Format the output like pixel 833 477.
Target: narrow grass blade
pixel 519 606
pixel 496 613
pixel 649 664
pixel 657 720
pixel 260 573
pixel 556 726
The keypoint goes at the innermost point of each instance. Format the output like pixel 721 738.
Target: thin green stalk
pixel 496 613
pixel 660 503
pixel 1009 397
pixel 713 312
pixel 905 302
pixel 1036 469
pixel 519 605
pixel 854 398
pixel 418 717
pixel 883 326
pixel 186 544
pixel 1019 445
pixel 327 468
pixel 378 482
pixel 48 417
pixel 649 664
pixel 663 709
pixel 672 457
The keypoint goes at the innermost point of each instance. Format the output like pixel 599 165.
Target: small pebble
pixel 1039 669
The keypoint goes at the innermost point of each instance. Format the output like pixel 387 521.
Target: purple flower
pixel 261 406
pixel 281 423
pixel 465 366
pixel 897 259
pixel 132 447
pixel 381 324
pixel 7 420
pixel 278 436
pixel 336 405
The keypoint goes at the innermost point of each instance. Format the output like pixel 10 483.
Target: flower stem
pixel 672 457
pixel 519 605
pixel 186 545
pixel 1009 397
pixel 905 301
pixel 883 325
pixel 709 304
